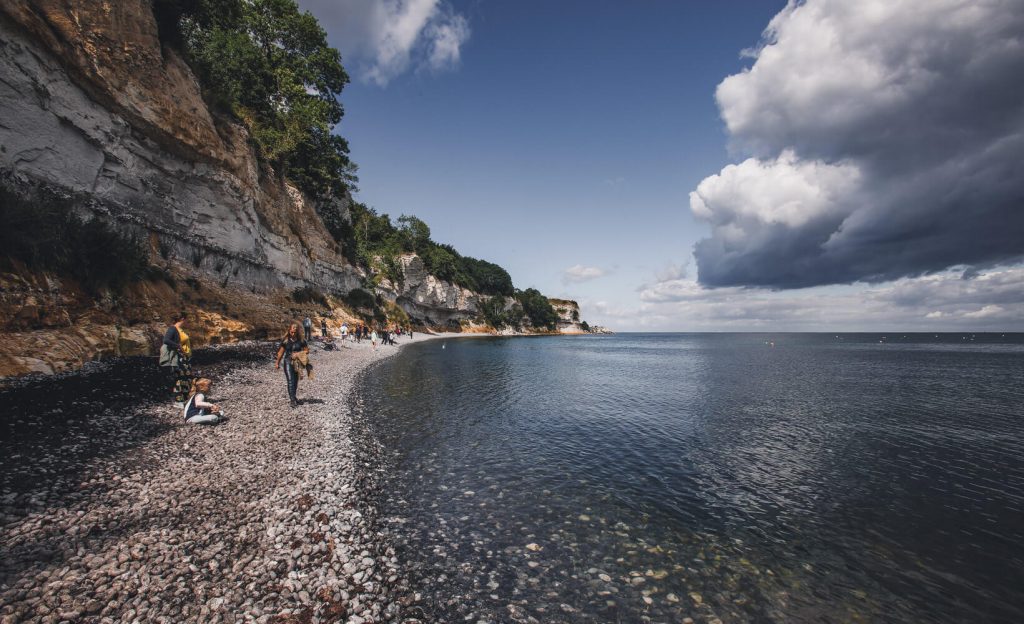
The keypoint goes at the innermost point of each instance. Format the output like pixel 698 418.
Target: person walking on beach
pixel 199 411
pixel 291 343
pixel 344 332
pixel 307 327
pixel 373 339
pixel 176 356
pixel 323 326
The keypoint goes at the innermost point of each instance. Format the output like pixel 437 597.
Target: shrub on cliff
pixel 308 294
pixel 537 307
pixel 373 236
pixel 494 313
pixel 357 298
pixel 269 65
pixel 44 233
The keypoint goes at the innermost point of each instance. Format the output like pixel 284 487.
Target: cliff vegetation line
pixel 168 154
pixel 268 65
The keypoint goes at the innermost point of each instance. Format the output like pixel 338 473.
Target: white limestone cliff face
pixel 429 300
pixel 569 321
pixel 92 107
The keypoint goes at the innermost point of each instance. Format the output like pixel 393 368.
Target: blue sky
pixel 563 140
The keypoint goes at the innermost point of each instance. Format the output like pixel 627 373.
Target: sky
pixel 703 165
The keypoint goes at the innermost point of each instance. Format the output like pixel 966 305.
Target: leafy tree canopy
pixel 537 307
pixel 268 64
pixel 373 238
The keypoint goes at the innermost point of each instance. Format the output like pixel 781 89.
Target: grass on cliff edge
pixel 44 233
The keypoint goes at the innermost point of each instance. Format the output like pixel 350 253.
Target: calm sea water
pixel 744 477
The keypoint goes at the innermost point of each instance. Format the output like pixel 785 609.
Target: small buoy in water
pixel 442 345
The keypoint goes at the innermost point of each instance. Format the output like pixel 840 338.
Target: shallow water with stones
pixel 740 477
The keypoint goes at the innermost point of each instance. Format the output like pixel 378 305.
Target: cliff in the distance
pixel 568 316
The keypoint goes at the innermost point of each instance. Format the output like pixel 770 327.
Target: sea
pixel 718 477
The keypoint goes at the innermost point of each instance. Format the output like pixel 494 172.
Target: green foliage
pixel 538 308
pixel 585 326
pixel 371 236
pixel 392 269
pixel 493 312
pixel 413 233
pixel 268 64
pixel 44 233
pixel 576 316
pixel 308 294
pixel 357 298
pixel 489 278
pixel 443 262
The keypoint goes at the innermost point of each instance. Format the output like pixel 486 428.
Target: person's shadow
pixel 312 401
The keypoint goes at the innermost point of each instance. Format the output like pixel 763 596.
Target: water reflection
pixel 708 476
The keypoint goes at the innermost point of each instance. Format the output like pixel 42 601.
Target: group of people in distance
pixel 384 334
pixel 191 394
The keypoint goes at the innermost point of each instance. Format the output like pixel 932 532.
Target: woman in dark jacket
pixel 290 344
pixel 176 356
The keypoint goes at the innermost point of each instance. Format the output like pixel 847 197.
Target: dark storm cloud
pixel 887 140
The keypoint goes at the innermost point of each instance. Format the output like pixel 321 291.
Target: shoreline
pixel 129 513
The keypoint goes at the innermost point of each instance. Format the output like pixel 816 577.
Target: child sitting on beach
pixel 198 411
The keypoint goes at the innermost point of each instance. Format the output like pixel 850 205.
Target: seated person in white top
pixel 197 410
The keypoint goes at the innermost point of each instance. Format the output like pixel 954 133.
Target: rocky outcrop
pixel 568 316
pixel 93 109
pixel 50 325
pixel 92 106
pixel 428 300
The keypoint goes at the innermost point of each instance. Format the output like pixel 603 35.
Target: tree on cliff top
pixel 538 308
pixel 269 65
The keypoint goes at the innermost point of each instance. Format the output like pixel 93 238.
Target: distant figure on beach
pixel 307 326
pixel 344 332
pixel 373 339
pixel 323 326
pixel 199 411
pixel 176 356
pixel 291 343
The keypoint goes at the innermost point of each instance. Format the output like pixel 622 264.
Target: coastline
pixel 265 518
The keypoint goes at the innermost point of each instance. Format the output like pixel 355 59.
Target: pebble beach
pixel 124 513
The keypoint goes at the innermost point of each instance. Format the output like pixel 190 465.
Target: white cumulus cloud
pixel 386 38
pixel 579 273
pixel 885 139
pixel 989 301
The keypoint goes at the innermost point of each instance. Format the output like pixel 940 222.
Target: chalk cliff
pixel 568 316
pixel 429 300
pixel 95 109
pixel 92 105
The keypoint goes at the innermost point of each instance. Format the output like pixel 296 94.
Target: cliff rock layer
pixel 428 300
pixel 94 106
pixel 568 316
